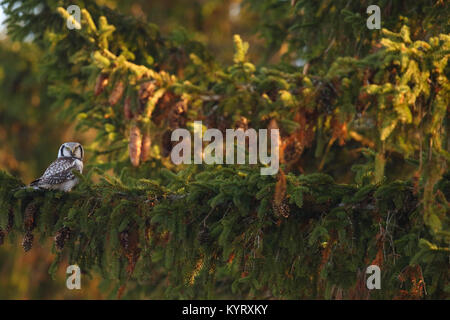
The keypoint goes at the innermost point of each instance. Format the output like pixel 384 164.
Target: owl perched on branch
pixel 59 175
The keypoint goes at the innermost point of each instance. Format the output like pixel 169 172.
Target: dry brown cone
pixel 164 108
pixel 167 143
pixel 10 220
pixel 116 93
pixel 30 214
pixel 27 242
pixel 123 237
pixel 9 226
pixel 135 144
pixel 168 100
pixel 61 237
pixel 145 147
pixel 145 92
pixel 204 235
pixel 101 83
pixel 128 114
pixel 175 117
pixel 129 242
pixel 281 209
pixel 292 150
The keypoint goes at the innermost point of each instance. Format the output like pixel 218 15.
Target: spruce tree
pixel 364 179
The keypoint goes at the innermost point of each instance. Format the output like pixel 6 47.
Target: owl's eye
pixel 78 152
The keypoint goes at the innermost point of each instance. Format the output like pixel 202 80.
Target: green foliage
pixel 360 109
pixel 318 31
pixel 214 232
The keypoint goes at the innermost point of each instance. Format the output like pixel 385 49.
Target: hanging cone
pixel 27 242
pixel 145 148
pixel 124 242
pixel 292 149
pixel 281 209
pixel 135 144
pixel 10 220
pixel 145 92
pixel 9 226
pixel 167 143
pixel 176 117
pixel 29 218
pixel 117 93
pixel 204 235
pixel 61 237
pixel 100 83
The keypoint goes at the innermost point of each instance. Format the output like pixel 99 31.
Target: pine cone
pixel 166 101
pixel 61 237
pixel 10 220
pixel 145 92
pixel 9 226
pixel 204 236
pixel 30 214
pixel 167 143
pixel 100 83
pixel 292 151
pixel 326 97
pixel 27 242
pixel 129 242
pixel 145 148
pixel 176 115
pixel 281 209
pixel 135 144
pixel 127 109
pixel 124 240
pixel 117 93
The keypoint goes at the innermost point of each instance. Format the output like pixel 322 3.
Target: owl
pixel 58 175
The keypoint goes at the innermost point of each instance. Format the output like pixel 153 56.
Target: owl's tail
pixel 34 184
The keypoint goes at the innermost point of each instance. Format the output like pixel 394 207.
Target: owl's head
pixel 71 149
